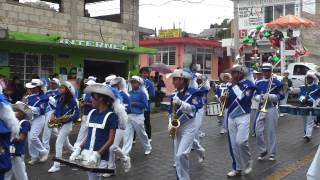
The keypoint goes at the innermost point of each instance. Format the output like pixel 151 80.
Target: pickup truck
pixel 297 74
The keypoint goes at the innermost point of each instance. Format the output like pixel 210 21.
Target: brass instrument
pixel 59 124
pixel 175 122
pixel 264 108
pixel 224 102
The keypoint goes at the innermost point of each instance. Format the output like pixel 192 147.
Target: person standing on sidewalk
pixel 38 102
pixel 239 98
pixel 145 74
pixel 286 87
pixel 187 102
pixel 220 94
pixel 269 94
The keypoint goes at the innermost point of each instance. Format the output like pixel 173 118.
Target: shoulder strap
pixel 20 122
pixel 103 124
pixel 89 115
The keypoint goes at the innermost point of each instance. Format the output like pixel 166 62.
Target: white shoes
pixel 147 152
pixel 33 161
pixel 106 175
pixel 54 169
pixel 272 158
pixel 201 157
pixel 127 164
pixel 234 173
pixel 44 157
pixel 249 167
pixel 223 131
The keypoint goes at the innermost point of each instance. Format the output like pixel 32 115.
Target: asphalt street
pixel 293 159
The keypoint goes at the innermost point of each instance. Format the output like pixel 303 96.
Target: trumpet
pixel 224 103
pixel 175 122
pixel 51 124
pixel 264 107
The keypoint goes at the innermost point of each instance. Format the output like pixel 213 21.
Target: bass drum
pixel 213 109
pixel 316 111
pixel 305 111
pixel 289 109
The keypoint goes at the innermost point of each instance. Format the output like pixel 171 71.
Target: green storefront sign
pixel 95 44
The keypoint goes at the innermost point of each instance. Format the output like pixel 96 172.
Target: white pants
pixel 116 150
pixel 135 124
pixel 82 132
pixel 36 148
pixel 196 142
pixel 97 176
pixel 253 120
pixel 18 169
pixel 314 169
pixel 182 146
pixel 63 134
pixel 238 136
pixel 268 120
pixel 308 125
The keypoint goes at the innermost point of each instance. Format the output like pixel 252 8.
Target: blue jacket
pixel 203 92
pixel 25 127
pixel 151 92
pixel 87 108
pixel 221 89
pixel 239 99
pixel 262 88
pixel 71 108
pixel 311 93
pixel 39 101
pixel 192 98
pixel 138 101
pixel 102 135
pixel 126 101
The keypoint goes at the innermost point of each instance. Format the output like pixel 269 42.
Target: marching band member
pixel 203 90
pixel 308 96
pixel 269 93
pixel 139 103
pixel 38 102
pixel 239 98
pixel 257 76
pixel 52 93
pixel 87 107
pixel 145 74
pixel 9 128
pixel 220 91
pixel 103 120
pixel 286 86
pixel 120 84
pixel 66 112
pixel 187 102
pixel 17 147
pixel 314 169
pixel 109 78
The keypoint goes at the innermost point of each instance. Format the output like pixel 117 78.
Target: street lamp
pixel 3 33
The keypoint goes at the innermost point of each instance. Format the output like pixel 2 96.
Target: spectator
pixel 161 90
pixel 18 90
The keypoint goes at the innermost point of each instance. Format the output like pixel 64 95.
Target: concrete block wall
pixel 70 23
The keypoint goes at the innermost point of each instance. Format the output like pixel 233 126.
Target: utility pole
pixel 236 26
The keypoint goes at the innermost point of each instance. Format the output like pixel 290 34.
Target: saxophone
pixel 175 122
pixel 67 115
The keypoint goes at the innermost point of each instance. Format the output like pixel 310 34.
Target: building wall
pixel 71 23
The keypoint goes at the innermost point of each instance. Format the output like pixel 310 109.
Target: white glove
pixel 75 154
pixel 34 110
pixel 94 158
pixel 273 97
pixel 258 97
pixel 176 100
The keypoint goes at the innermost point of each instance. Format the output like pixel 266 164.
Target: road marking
pixel 285 171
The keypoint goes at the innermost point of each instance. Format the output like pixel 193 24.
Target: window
pixel 300 70
pixel 268 14
pixel 103 9
pixel 278 11
pixel 167 55
pixel 27 66
pixel 54 5
pixel 290 9
pixel 204 58
pixel 274 12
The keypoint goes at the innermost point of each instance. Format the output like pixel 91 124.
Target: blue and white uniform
pixel 17 154
pixel 310 95
pixel 38 103
pixel 139 103
pixel 238 123
pixel 268 121
pixel 52 95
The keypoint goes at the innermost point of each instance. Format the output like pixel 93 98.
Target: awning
pixel 56 40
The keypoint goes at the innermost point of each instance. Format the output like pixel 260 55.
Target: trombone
pixel 264 107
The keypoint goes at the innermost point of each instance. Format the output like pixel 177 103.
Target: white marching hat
pixel 100 89
pixel 109 78
pixel 240 68
pixel 137 78
pixel 69 86
pixel 90 82
pixel 267 66
pixel 115 81
pixel 92 78
pixel 180 73
pixel 34 83
pixel 55 80
pixel 222 75
pixel 24 108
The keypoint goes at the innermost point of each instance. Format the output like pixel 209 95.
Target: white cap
pixel 100 89
pixel 109 78
pixel 34 83
pixel 137 78
pixel 69 86
pixel 55 80
pixel 90 82
pixel 92 78
pixel 267 66
pixel 222 75
pixel 23 108
pixel 181 73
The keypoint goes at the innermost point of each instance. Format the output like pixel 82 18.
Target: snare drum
pixel 316 111
pixel 289 109
pixel 305 111
pixel 213 109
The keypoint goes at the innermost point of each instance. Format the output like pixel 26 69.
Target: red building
pixel 182 52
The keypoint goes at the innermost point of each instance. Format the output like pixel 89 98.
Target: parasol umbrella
pixel 290 21
pixel 161 68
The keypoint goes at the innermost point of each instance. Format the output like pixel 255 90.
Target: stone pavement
pixel 158 166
